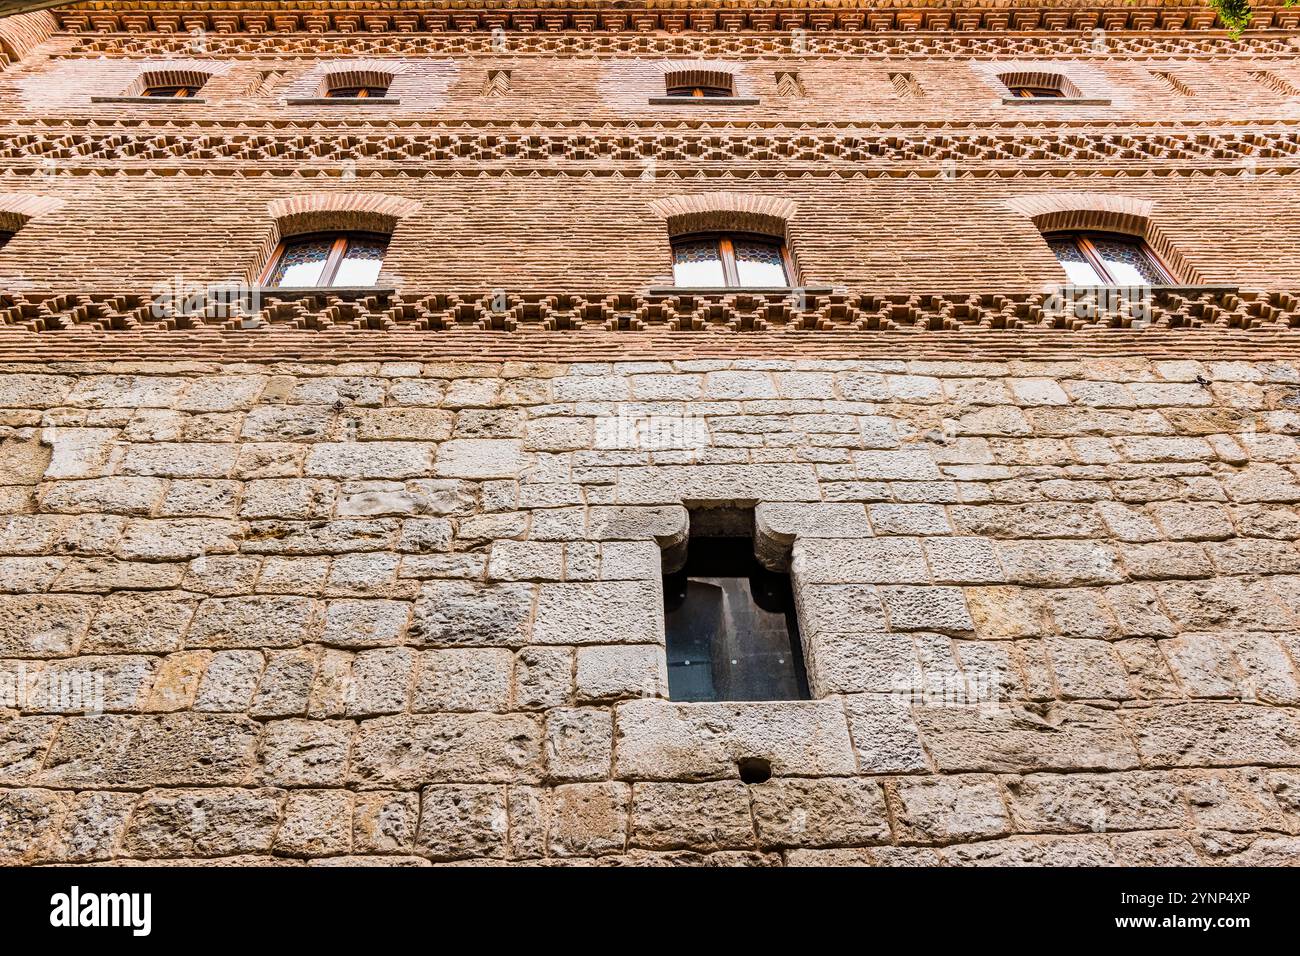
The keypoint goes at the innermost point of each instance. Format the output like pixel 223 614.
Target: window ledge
pixel 1055 100
pixel 1174 288
pixel 746 289
pixel 704 101
pixel 148 99
pixel 299 292
pixel 341 100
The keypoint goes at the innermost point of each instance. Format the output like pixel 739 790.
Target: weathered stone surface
pixel 411 612
pixel 170 749
pixel 948 810
pixel 826 812
pixel 459 821
pixel 700 816
pixel 579 743
pixel 589 819
pixel 1215 735
pixel 602 613
pixel 216 822
pixel 657 740
pixel 1021 739
pixel 407 751
pixel 463 679
pixel 252 622
pixel 463 612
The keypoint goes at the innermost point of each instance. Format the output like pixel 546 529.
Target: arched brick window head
pixel 169 84
pixel 357 84
pixel 699 83
pixel 1035 86
pixel 1104 258
pixel 327 260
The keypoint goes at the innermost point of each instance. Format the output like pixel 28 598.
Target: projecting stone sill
pixel 704 101
pixel 342 292
pixel 171 100
pixel 744 290
pixel 341 101
pixel 1054 101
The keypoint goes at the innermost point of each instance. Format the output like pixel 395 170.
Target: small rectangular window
pixel 731 627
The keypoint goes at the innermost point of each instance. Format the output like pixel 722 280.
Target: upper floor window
pixel 359 92
pixel 361 84
pixel 327 260
pixel 1099 258
pixel 1035 92
pixel 1027 85
pixel 176 90
pixel 698 90
pixel 730 259
pixel 699 83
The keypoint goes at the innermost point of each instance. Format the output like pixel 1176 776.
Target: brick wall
pixel 366 579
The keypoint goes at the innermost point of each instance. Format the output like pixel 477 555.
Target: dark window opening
pixel 689 90
pixel 1036 92
pixel 731 627
pixel 5 236
pixel 179 91
pixel 356 92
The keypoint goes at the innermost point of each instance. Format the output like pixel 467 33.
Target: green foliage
pixel 1235 14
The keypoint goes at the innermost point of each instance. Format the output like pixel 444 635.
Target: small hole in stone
pixel 754 769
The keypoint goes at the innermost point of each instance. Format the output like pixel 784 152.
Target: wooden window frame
pixel 332 261
pixel 1083 241
pixel 1036 93
pixel 699 91
pixel 727 253
pixel 362 92
pixel 183 91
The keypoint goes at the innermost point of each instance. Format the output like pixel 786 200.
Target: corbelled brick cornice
pixel 258 16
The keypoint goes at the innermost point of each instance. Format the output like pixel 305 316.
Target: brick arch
pixel 168 77
pixel 1104 212
pixel 699 73
pixel 317 212
pixel 339 79
pixel 1052 81
pixel 725 211
pixel 17 209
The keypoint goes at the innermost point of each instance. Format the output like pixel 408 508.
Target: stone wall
pixel 412 613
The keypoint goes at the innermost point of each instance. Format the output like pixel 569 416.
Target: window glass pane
pixel 759 263
pixel 361 263
pixel 696 263
pixel 1128 262
pixel 1077 267
pixel 301 263
pixel 731 627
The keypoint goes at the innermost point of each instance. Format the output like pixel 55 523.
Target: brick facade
pixel 375 575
